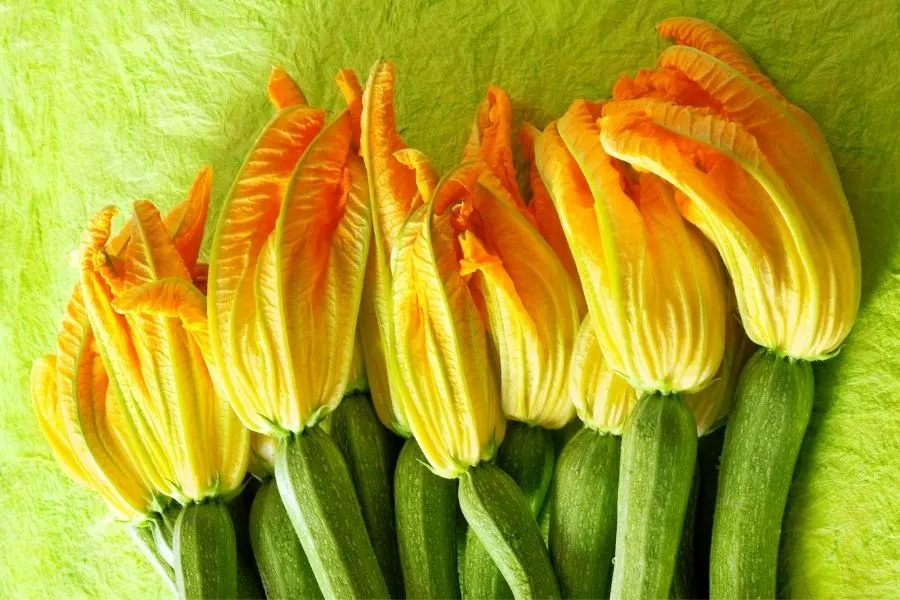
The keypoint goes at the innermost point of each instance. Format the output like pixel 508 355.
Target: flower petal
pixel 186 222
pixel 284 91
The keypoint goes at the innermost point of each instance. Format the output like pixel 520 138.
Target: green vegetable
pixel 143 537
pixel 370 450
pixel 771 410
pixel 656 473
pixel 499 515
pixel 583 514
pixel 709 449
pixel 526 455
pixel 205 552
pixel 249 584
pixel 684 581
pixel 283 566
pixel 318 494
pixel 426 506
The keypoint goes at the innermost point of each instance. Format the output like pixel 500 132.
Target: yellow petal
pixel 602 399
pixel 453 407
pixel 426 177
pixel 247 219
pixel 393 193
pixel 529 303
pixel 185 222
pixel 310 275
pixel 284 91
pixel 653 288
pixel 46 407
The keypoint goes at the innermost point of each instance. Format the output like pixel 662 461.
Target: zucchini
pixel 527 456
pixel 656 473
pixel 370 450
pixel 771 411
pixel 583 514
pixel 318 494
pixel 249 584
pixel 684 581
pixel 205 552
pixel 283 566
pixel 426 506
pixel 500 516
pixel 142 535
pixel 709 449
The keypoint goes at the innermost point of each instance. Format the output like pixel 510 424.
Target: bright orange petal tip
pixel 283 90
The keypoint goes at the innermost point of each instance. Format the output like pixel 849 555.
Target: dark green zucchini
pixel 283 566
pixel 426 508
pixel 318 494
pixel 500 516
pixel 768 421
pixel 370 450
pixel 205 552
pixel 656 474
pixel 583 514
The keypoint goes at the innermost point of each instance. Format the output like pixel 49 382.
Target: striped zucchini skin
pixel 370 450
pixel 426 507
pixel 583 514
pixel 318 494
pixel 283 566
pixel 205 552
pixel 499 515
pixel 684 580
pixel 768 421
pixel 656 473
pixel 526 455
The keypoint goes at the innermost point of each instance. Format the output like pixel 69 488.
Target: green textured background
pixel 101 103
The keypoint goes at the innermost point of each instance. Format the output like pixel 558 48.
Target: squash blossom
pixel 286 268
pixel 756 176
pixel 754 173
pixel 394 173
pixel 653 287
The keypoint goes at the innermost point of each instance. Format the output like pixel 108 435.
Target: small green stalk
pixel 283 566
pixel 500 516
pixel 143 538
pixel 771 411
pixel 205 552
pixel 370 450
pixel 318 494
pixel 656 473
pixel 583 514
pixel 527 456
pixel 426 506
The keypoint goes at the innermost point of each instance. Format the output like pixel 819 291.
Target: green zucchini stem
pixel 656 474
pixel 766 428
pixel 144 539
pixel 500 516
pixel 318 494
pixel 526 455
pixel 583 514
pixel 370 450
pixel 426 508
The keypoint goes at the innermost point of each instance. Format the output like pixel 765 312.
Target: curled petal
pixel 602 399
pixel 426 177
pixel 284 91
pixel 352 92
pixel 185 222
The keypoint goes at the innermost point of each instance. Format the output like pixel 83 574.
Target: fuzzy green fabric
pixel 105 104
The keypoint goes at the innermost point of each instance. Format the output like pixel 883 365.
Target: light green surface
pixel 100 104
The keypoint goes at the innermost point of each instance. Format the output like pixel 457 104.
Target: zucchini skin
pixel 283 566
pixel 370 450
pixel 583 514
pixel 205 552
pixel 499 515
pixel 426 509
pixel 684 581
pixel 656 474
pixel 768 421
pixel 318 495
pixel 526 455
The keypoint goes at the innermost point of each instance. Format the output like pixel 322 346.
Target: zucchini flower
pixel 127 402
pixel 653 287
pixel 286 268
pixel 397 179
pixel 755 175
